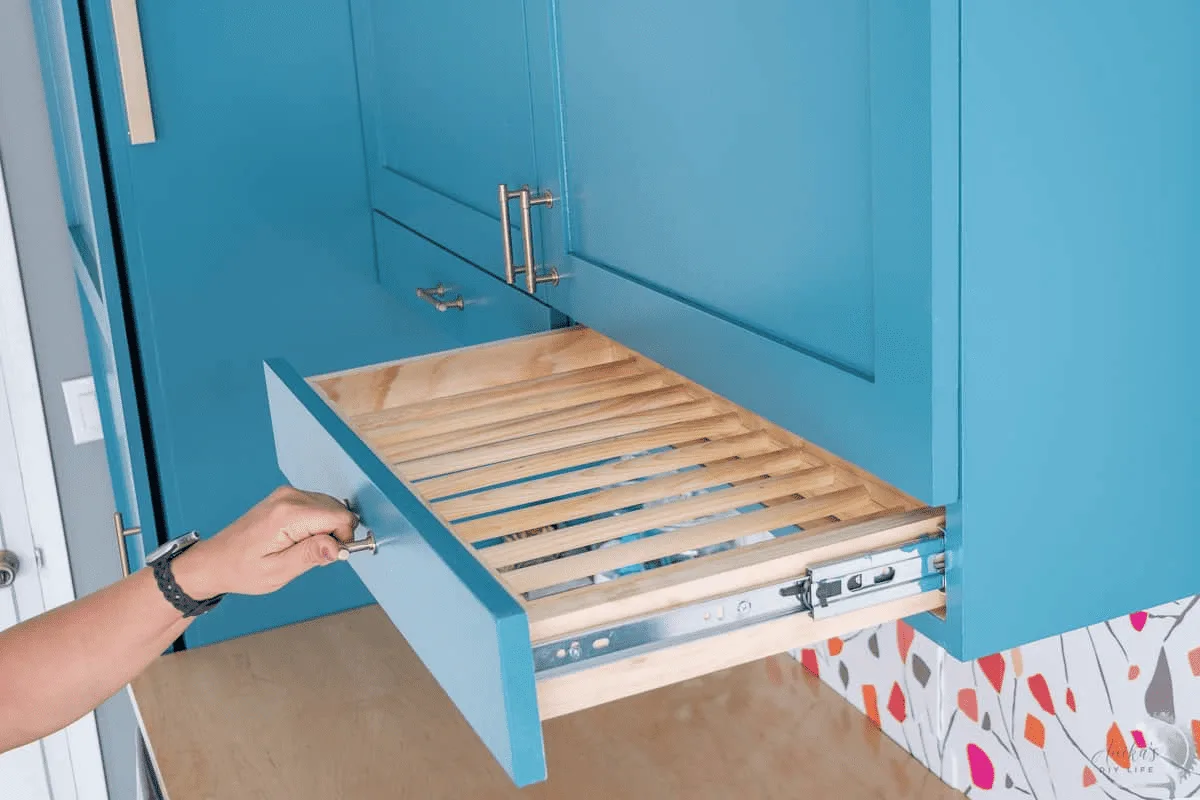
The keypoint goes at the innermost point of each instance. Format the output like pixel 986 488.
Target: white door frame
pixel 32 517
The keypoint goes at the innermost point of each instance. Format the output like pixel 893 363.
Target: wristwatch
pixel 160 560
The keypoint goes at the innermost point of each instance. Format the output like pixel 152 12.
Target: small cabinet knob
pixel 10 565
pixel 367 543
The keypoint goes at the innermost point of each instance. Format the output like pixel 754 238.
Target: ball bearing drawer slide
pixel 826 590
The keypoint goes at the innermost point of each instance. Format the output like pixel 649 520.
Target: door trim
pixel 41 513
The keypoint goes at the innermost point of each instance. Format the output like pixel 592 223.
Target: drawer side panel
pixel 469 632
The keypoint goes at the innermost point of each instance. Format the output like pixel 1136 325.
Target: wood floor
pixel 340 707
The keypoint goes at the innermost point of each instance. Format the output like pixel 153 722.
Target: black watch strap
pixel 165 578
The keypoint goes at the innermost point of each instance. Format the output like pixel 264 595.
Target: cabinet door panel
pixel 767 173
pixel 247 234
pixel 104 304
pixel 446 108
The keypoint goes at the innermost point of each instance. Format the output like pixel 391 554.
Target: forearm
pixel 58 666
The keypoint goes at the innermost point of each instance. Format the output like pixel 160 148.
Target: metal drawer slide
pixel 826 590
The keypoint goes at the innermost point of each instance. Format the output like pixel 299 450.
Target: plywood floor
pixel 340 707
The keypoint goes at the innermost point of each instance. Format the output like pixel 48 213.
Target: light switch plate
pixel 83 410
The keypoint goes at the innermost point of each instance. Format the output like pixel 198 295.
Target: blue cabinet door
pixel 110 347
pixel 446 117
pixel 246 232
pixel 764 196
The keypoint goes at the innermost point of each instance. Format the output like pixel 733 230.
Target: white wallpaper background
pixel 1108 711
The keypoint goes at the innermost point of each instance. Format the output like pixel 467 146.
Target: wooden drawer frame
pixel 492 474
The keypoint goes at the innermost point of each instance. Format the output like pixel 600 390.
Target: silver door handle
pixel 131 58
pixel 532 279
pixel 10 565
pixel 435 297
pixel 510 273
pixel 122 534
pixel 529 268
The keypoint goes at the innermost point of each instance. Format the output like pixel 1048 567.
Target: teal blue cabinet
pixel 241 232
pixel 1080 434
pixel 770 189
pixel 954 243
pixel 446 116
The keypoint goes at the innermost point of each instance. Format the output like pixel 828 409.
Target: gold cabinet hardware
pixel 436 299
pixel 122 534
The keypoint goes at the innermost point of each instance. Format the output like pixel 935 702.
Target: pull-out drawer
pixel 559 522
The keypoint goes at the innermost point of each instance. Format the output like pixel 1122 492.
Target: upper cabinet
pixel 764 196
pixel 446 117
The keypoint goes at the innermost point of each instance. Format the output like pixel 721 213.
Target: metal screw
pixel 743 607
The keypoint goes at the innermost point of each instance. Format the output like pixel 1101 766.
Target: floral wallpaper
pixel 1108 711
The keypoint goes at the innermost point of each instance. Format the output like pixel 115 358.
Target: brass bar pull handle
pixel 132 62
pixel 510 270
pixel 435 298
pixel 528 201
pixel 122 534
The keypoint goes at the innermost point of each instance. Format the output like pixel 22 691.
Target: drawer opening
pixel 628 510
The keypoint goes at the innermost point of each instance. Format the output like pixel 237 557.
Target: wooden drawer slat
pixel 541 463
pixel 554 440
pixel 803 513
pixel 644 466
pixel 524 410
pixel 520 390
pixel 602 530
pixel 583 443
pixel 729 471
pixel 463 439
pixel 441 375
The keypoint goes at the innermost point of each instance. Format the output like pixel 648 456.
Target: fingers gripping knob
pixel 357 545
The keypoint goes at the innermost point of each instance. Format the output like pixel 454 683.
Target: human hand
pixel 282 537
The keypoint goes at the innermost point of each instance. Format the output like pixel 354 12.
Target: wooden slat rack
pixel 594 483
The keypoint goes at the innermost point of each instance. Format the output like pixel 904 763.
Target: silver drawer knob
pixel 357 545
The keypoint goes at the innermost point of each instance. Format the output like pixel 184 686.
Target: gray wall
pixel 32 185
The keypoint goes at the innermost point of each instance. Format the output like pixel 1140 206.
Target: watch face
pixel 173 546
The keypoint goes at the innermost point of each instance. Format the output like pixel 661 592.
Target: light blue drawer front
pixel 469 632
pixel 491 308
